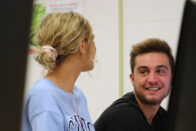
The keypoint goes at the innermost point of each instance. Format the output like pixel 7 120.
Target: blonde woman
pixel 67 48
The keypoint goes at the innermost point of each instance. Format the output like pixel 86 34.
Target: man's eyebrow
pixel 162 66
pixel 141 67
pixel 146 67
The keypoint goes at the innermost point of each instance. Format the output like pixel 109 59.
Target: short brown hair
pixel 151 45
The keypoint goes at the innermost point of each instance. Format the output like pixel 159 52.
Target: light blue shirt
pixel 49 108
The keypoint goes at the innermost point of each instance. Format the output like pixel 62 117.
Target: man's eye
pixel 143 72
pixel 160 71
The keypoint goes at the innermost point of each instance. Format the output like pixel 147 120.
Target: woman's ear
pixel 83 46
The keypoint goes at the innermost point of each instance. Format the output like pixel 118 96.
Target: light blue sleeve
pixel 47 121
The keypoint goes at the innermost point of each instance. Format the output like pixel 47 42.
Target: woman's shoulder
pixel 42 93
pixel 42 85
pixel 78 92
pixel 41 88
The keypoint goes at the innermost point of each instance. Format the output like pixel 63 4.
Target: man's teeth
pixel 152 89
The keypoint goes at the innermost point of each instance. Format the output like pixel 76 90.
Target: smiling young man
pixel 152 66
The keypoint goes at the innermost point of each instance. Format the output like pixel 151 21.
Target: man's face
pixel 152 77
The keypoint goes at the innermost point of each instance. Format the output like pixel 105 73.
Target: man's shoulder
pixel 128 100
pixel 162 114
pixel 124 106
pixel 162 111
pixel 123 114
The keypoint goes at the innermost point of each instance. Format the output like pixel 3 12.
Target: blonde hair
pixel 62 31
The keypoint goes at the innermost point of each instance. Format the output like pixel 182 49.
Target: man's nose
pixel 152 78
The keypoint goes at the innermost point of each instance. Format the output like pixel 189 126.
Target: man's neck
pixel 148 110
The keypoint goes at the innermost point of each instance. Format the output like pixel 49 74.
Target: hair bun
pixel 50 50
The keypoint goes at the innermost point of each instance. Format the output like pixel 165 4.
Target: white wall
pixel 141 19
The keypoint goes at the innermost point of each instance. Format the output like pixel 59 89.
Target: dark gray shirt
pixel 125 115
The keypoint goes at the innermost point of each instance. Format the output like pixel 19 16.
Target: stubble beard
pixel 146 101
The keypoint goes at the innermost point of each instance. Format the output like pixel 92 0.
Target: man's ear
pixel 131 77
pixel 82 46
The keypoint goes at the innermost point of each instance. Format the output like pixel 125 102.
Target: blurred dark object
pixel 182 104
pixel 15 23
